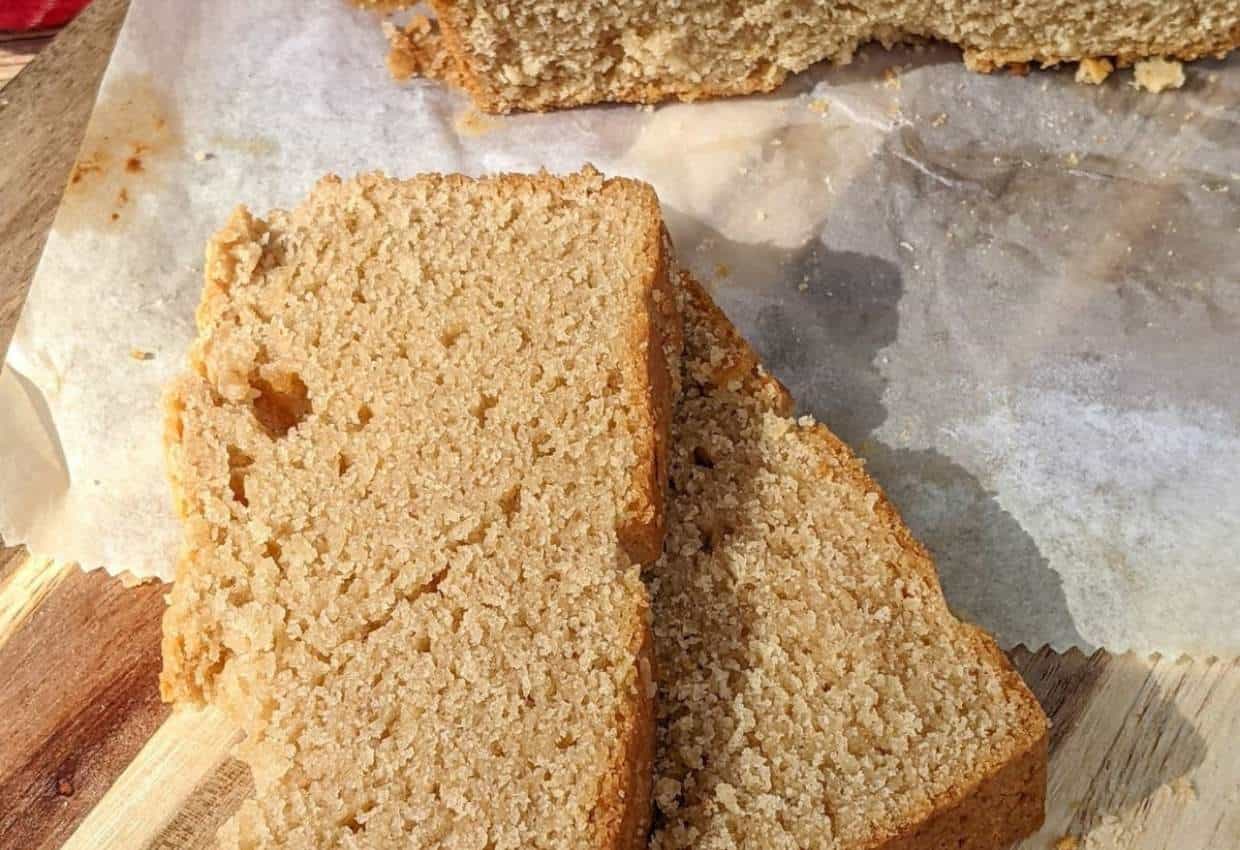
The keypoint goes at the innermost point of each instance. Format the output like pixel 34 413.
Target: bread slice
pixel 814 689
pixel 540 54
pixel 418 455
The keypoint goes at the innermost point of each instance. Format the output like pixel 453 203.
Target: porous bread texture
pixel 418 455
pixel 814 688
pixel 541 54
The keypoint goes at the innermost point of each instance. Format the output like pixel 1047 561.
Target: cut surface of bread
pixel 814 688
pixel 419 457
pixel 540 54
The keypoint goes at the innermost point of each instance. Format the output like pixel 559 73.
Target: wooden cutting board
pixel 1145 752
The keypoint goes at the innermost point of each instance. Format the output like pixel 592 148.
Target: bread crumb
pixel 939 120
pixel 1067 842
pixel 820 105
pixel 1073 159
pixel 203 156
pixel 891 78
pixel 760 215
pixel 1157 75
pixel 721 270
pixel 471 122
pixel 140 354
pixel 1094 71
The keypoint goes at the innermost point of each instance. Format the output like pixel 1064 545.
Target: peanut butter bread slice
pixel 540 54
pixel 419 456
pixel 814 688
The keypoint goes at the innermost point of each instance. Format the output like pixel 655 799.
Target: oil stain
pixel 132 134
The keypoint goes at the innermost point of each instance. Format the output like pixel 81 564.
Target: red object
pixel 38 14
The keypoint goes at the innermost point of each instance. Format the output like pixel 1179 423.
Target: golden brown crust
pixel 450 25
pixel 1005 801
pixel 654 326
pixel 624 807
pixel 1003 807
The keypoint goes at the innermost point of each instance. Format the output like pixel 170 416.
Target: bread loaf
pixel 539 54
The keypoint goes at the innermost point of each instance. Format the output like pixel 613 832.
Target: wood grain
pixel 41 127
pixel 17 49
pixel 80 698
pixel 1143 750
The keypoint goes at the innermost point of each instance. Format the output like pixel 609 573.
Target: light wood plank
pixel 79 697
pixel 1149 761
pixel 17 49
pixel 41 127
pixel 24 589
pixel 173 775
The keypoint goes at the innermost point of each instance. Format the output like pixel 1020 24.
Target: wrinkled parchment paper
pixel 1019 299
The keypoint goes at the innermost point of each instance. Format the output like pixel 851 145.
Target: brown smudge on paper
pixel 132 133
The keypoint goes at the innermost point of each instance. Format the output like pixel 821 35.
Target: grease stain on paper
pixel 133 131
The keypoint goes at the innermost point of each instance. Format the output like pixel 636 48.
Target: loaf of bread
pixel 419 456
pixel 540 54
pixel 814 688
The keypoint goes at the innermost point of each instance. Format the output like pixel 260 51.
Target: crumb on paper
pixel 1093 72
pixel 891 78
pixel 802 287
pixel 760 215
pixel 203 156
pixel 820 105
pixel 471 122
pixel 1067 842
pixel 141 354
pixel 939 120
pixel 1157 75
pixel 721 270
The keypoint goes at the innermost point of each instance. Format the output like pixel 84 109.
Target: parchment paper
pixel 1017 298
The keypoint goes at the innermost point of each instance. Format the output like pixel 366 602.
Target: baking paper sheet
pixel 1017 298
